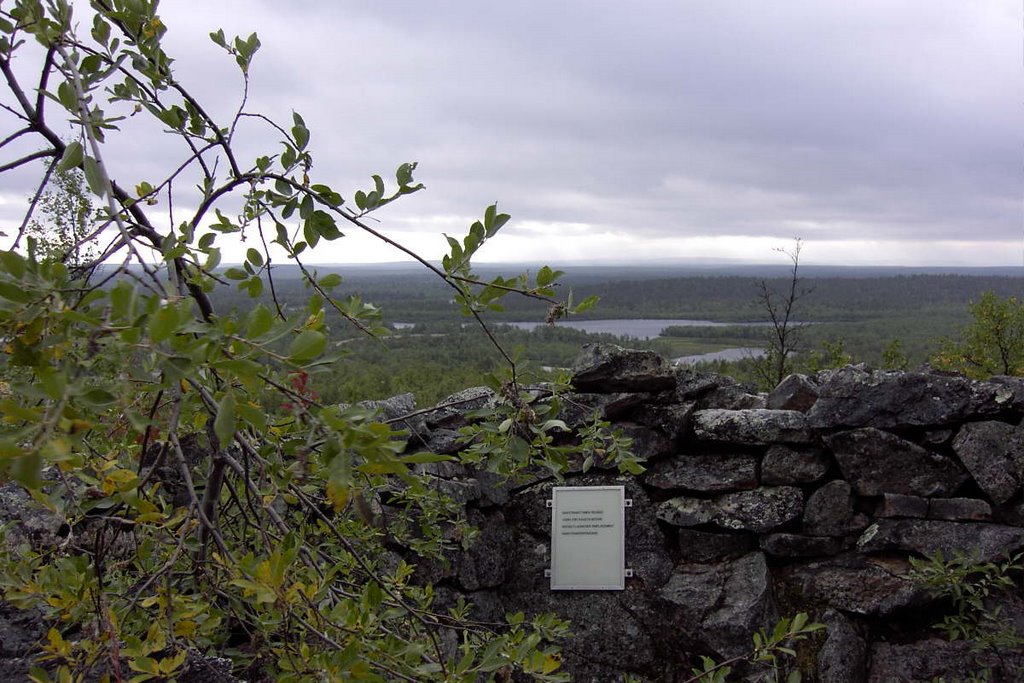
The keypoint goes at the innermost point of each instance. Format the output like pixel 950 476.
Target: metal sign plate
pixel 588 538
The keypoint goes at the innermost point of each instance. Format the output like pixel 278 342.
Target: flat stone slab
pixel 753 426
pixel 760 510
pixel 711 473
pixel 926 537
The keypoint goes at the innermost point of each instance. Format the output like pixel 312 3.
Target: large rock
pixel 829 510
pixel 934 659
pixel 993 453
pixel 755 426
pixel 787 465
pixel 759 510
pixel 607 368
pixel 722 604
pixel 712 473
pixel 843 656
pixel 857 397
pixel 876 462
pixel 795 392
pixel 926 537
pixel 855 584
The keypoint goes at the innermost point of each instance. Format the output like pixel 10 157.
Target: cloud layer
pixel 878 131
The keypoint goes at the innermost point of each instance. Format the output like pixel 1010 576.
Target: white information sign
pixel 588 538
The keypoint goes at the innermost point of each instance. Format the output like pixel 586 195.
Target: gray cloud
pixel 893 121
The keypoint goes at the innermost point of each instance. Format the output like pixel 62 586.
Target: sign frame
pixel 588 537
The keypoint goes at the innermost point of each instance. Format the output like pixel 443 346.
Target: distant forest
pixel 436 352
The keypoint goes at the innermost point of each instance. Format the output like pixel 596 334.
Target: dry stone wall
pixel 812 498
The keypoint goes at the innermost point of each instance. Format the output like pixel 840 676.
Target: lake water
pixel 639 328
pixel 737 353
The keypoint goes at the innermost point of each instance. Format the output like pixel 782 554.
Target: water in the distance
pixel 637 328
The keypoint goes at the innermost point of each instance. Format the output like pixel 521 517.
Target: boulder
pixel 829 510
pixel 853 583
pixel 607 368
pixel 993 453
pixel 712 472
pixel 876 462
pixel 795 392
pixel 756 426
pixel 844 655
pixel 787 465
pixel 926 537
pixel 759 510
pixel 857 397
pixel 721 604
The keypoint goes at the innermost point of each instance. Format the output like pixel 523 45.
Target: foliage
pixel 212 499
pixel 992 344
pixel 67 214
pixel 974 588
pixel 766 653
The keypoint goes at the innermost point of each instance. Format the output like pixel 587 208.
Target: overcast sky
pixel 879 132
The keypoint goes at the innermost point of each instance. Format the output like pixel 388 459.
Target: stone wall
pixel 811 498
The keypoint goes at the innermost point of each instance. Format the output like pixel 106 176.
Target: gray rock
pixel 693 385
pixel 876 462
pixel 934 659
pixel 856 397
pixel 607 368
pixel 829 510
pixel 760 510
pixel 683 511
pixel 722 604
pixel 959 509
pixel 853 583
pixel 451 412
pixel 673 420
pixel 701 547
pixel 752 427
pixel 926 537
pixel 797 545
pixel 786 465
pixel 648 443
pixel 993 453
pixel 843 657
pixel 485 564
pixel 795 392
pixel 900 505
pixel 732 398
pixel 713 473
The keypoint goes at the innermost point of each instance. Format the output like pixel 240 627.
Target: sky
pixel 879 132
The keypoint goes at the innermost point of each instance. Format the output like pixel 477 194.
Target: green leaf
pixel 13 263
pixel 330 280
pixel 260 321
pixel 71 158
pixel 98 398
pixel 93 175
pixel 301 136
pixel 424 458
pixel 14 293
pixel 226 422
pixel 307 346
pixel 254 257
pixel 163 323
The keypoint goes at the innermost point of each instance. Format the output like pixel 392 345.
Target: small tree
pixel 211 499
pixel 783 338
pixel 992 344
